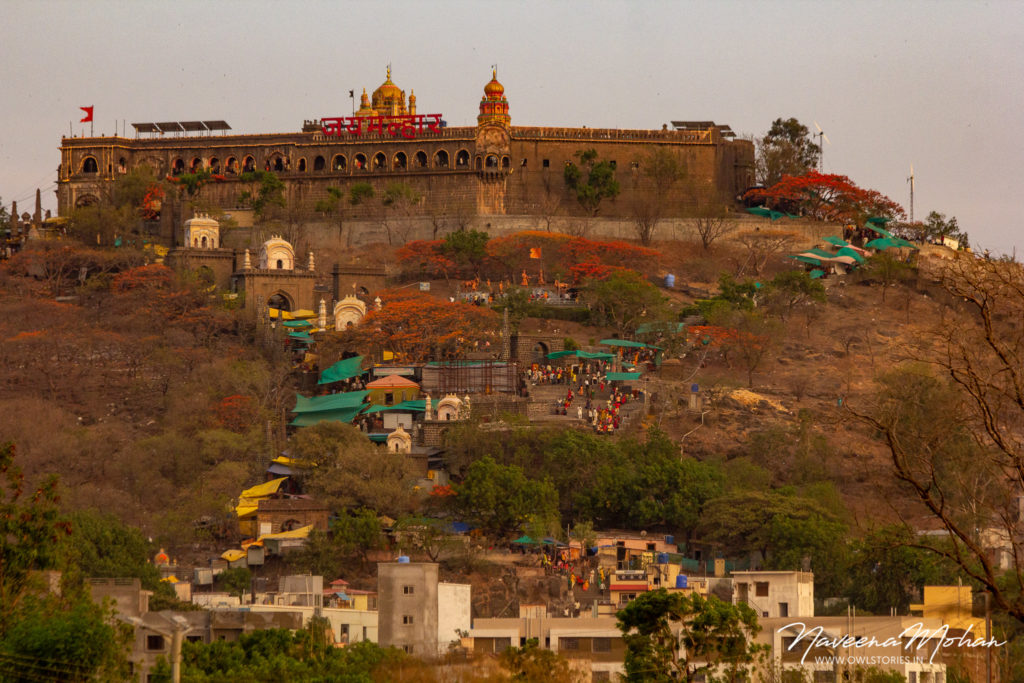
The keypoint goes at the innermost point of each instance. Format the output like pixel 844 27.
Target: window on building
pixel 761 589
pixel 783 609
pixel 602 645
pixel 501 644
pixel 546 163
pixel 408 619
pixel 652 546
pixel 319 163
pixel 911 677
pixel 635 165
pixel 568 643
pixel 90 166
pixel 408 590
pixel 154 643
pixel 787 643
pixel 194 639
pixel 389 399
pixel 408 649
pixel 372 602
pixel 614 164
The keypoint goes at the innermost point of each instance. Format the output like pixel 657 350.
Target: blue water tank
pixel 681 581
pixel 662 558
pixel 403 559
pixel 670 281
pixel 670 540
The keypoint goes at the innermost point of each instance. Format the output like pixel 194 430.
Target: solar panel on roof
pixel 170 127
pixel 193 125
pixel 145 127
pixel 217 125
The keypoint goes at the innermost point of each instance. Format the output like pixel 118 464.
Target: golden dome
pixel 494 89
pixel 387 89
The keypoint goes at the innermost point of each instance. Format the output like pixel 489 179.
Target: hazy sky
pixel 939 85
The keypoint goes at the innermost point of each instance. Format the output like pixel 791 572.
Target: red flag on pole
pixel 88 114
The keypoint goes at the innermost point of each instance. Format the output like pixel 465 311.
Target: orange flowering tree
pixel 426 258
pixel 556 254
pixel 419 327
pixel 826 197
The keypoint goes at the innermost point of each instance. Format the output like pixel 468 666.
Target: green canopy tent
pixel 525 540
pixel 882 243
pixel 297 324
pixel 581 354
pixel 852 253
pixel 378 438
pixel 836 241
pixel 623 376
pixel 817 273
pixel 414 406
pixel 341 415
pixel 628 344
pixel 877 223
pixel 805 259
pixel 349 399
pixel 342 370
pixel 765 212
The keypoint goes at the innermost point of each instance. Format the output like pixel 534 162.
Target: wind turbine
pixel 821 147
pixel 911 181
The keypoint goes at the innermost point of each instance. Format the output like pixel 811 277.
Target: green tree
pixel 783 528
pixel 713 637
pixel 265 191
pixel 887 570
pixel 467 248
pixel 598 185
pixel 786 149
pixel 501 497
pixel 533 664
pixel 623 299
pixel 792 288
pixel 889 269
pixel 936 227
pixel 353 472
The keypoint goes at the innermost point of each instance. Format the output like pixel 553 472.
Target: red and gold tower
pixel 494 104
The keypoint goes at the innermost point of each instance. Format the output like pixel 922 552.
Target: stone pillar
pixel 321 314
pixel 428 413
pixel 247 263
pixel 37 217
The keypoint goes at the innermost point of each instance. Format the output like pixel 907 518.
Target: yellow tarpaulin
pixel 233 555
pixel 301 532
pixel 301 314
pixel 267 488
pixel 293 462
pixel 246 507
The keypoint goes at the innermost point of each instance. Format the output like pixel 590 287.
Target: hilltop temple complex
pixel 490 169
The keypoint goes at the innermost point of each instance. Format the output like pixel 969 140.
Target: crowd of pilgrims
pixel 585 389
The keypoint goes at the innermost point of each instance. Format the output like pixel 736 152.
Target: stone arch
pixel 86 200
pixel 400 162
pixel 339 164
pixel 248 164
pixel 302 165
pixel 380 162
pixel 441 159
pixel 196 165
pixel 420 160
pixel 280 300
pixel 232 165
pixel 506 163
pixel 462 159
pixel 178 166
pixel 359 161
pixel 205 273
pixel 214 165
pixel 319 163
pixel 122 165
pixel 491 161
pixel 479 163
pixel 202 242
pixel 89 165
pixel 278 162
pixel 541 350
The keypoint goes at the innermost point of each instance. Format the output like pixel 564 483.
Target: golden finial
pixel 389 72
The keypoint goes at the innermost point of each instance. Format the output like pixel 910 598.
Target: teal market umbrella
pixel 765 212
